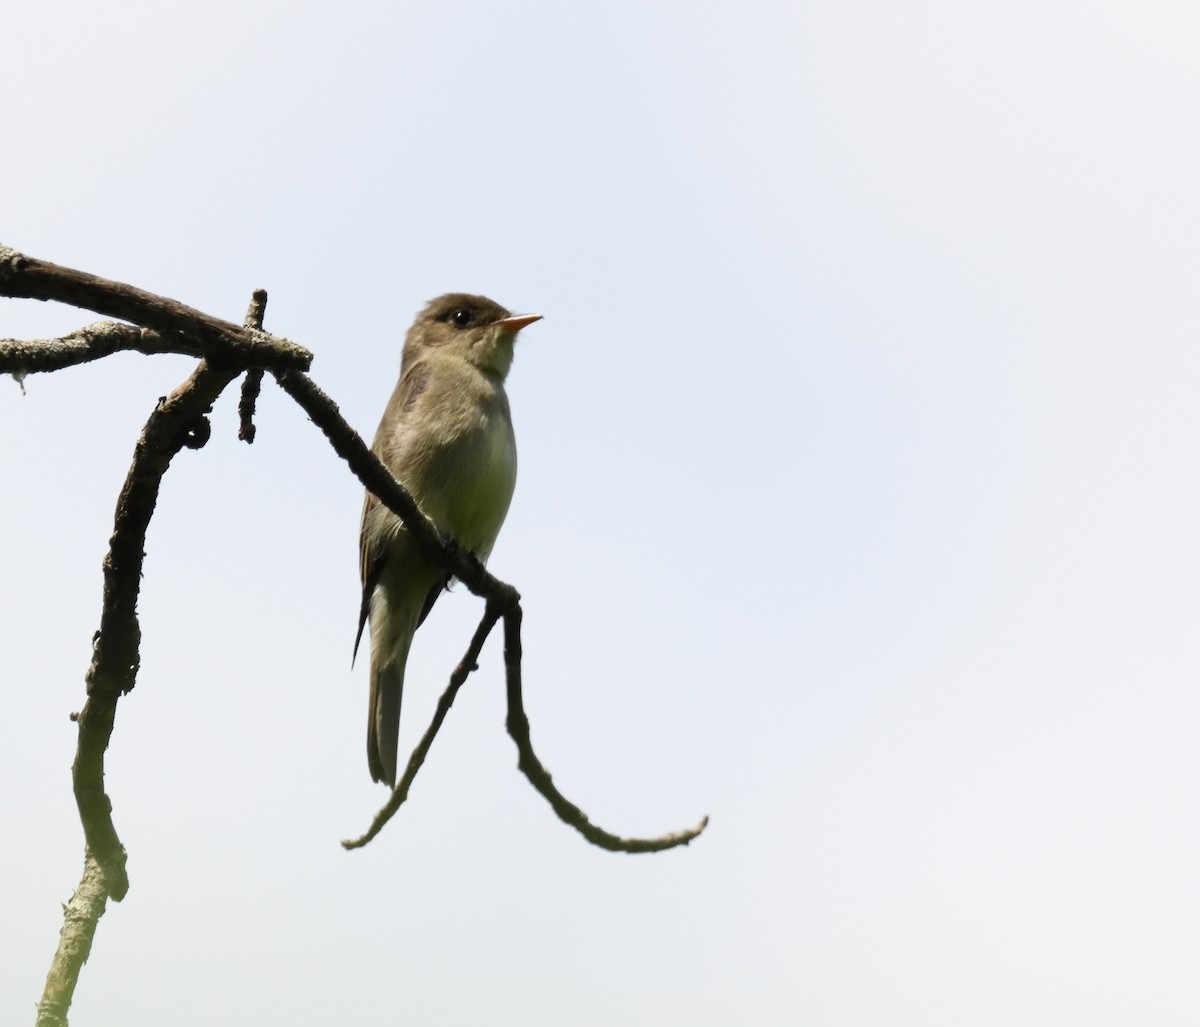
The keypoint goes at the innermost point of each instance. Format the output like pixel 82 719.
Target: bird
pixel 447 437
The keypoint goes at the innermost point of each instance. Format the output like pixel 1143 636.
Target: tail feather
pixel 392 628
pixel 395 600
pixel 383 724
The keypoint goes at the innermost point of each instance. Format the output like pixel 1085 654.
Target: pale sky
pixel 857 509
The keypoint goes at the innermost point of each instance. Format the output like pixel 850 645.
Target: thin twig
pixel 468 663
pixel 256 311
pixel 20 357
pixel 251 386
pixel 539 777
pixel 252 383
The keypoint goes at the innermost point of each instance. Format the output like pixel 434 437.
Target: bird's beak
pixel 517 322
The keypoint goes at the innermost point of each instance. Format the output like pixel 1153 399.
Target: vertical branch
pixel 177 422
pixel 80 917
pixel 252 383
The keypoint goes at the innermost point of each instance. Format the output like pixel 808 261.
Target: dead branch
pixel 252 383
pixel 178 421
pixel 185 330
pixel 80 917
pixel 539 777
pixel 90 343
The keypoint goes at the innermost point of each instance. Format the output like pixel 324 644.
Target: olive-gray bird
pixel 447 436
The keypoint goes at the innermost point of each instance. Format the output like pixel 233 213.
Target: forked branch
pixel 184 329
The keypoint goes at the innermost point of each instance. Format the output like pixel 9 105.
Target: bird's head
pixel 473 328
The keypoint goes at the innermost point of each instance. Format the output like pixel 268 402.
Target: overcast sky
pixel 857 509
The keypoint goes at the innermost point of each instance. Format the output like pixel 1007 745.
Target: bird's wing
pixel 372 546
pixel 443 585
pixel 372 558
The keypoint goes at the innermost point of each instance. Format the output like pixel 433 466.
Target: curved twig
pixel 539 777
pixel 177 422
pixel 468 663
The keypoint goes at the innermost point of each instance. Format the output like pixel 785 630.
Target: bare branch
pixel 539 777
pixel 80 917
pixel 256 311
pixel 177 422
pixel 21 357
pixel 251 386
pixel 188 330
pixel 468 663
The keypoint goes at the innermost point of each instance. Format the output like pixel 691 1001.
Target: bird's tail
pixel 390 642
pixel 383 725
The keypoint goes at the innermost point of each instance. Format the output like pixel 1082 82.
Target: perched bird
pixel 447 436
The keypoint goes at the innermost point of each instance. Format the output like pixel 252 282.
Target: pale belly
pixel 479 472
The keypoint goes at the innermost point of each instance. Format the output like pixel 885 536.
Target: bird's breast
pixel 468 481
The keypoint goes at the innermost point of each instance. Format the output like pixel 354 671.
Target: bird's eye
pixel 460 318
